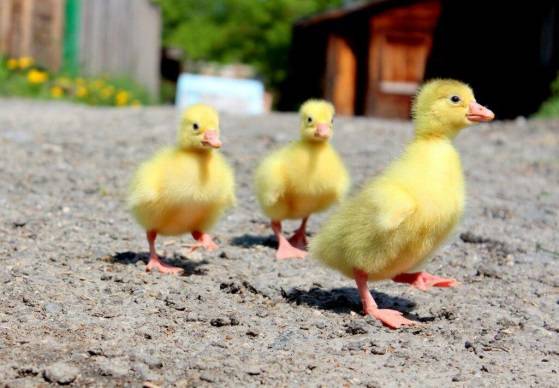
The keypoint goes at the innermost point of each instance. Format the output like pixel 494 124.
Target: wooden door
pixel 399 47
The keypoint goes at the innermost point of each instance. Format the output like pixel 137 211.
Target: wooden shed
pixel 369 59
pixel 115 37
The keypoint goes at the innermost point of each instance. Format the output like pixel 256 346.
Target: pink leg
pixel 285 249
pixel 390 318
pixel 424 281
pixel 154 261
pixel 299 239
pixel 203 240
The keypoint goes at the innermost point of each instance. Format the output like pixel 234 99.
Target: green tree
pixel 256 32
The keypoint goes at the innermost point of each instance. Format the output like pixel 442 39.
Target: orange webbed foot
pixel 287 251
pixel 390 318
pixel 423 280
pixel 203 240
pixel 156 264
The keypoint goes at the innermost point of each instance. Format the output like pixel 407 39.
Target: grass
pixel 21 77
pixel 550 108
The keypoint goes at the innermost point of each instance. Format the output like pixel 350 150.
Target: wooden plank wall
pixel 341 75
pixel 33 28
pixel 121 37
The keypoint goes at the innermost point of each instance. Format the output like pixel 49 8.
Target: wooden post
pixel 47 32
pixel 5 25
pixel 341 74
pixel 32 28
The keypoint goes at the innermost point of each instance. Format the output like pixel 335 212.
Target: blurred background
pixel 252 56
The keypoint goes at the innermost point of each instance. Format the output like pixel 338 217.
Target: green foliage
pixel 550 108
pixel 255 32
pixel 19 77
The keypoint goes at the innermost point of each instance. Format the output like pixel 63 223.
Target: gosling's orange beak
pixel 478 113
pixel 322 131
pixel 211 139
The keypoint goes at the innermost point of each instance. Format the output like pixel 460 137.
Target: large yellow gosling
pixel 398 220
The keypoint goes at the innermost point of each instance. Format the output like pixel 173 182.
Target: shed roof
pixel 367 7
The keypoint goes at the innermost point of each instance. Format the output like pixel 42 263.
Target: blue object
pixel 244 96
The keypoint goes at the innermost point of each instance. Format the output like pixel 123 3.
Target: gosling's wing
pixel 392 206
pixel 270 180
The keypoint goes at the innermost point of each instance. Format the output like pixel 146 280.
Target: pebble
pixel 61 373
pixel 52 308
pixel 113 367
pixel 356 327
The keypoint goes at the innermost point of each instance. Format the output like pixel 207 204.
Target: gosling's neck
pixel 431 127
pixel 204 154
pixel 313 144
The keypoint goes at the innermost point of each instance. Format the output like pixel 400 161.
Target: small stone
pixel 230 287
pixel 356 327
pixel 113 367
pixel 61 373
pixel 176 303
pixel 218 322
pixel 97 351
pixel 207 377
pixel 148 384
pixel 253 333
pixel 52 308
pixel 27 371
pixel 376 350
pixel 233 321
pixel 253 370
pixel 150 360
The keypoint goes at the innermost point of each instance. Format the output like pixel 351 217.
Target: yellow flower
pixel 64 82
pixel 25 62
pixel 12 64
pixel 136 103
pixel 37 77
pixel 97 84
pixel 81 91
pixel 56 91
pixel 107 92
pixel 122 98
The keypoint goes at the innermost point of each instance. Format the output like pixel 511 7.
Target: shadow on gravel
pixel 250 240
pixel 344 300
pixel 189 267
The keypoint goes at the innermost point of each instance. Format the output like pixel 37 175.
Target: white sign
pixel 244 96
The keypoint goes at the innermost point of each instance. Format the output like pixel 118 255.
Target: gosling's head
pixel 199 128
pixel 317 118
pixel 444 106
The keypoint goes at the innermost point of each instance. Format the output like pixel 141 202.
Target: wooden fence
pixel 33 28
pixel 92 37
pixel 121 37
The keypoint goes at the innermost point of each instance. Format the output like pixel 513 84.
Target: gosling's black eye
pixel 309 119
pixel 195 126
pixel 455 99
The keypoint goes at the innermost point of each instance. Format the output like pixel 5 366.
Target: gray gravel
pixel 78 308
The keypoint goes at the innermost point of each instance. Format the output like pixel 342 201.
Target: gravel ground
pixel 78 308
